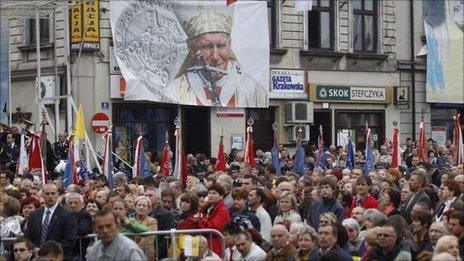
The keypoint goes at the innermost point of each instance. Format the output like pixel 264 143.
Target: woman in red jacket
pixel 363 197
pixel 189 207
pixel 215 215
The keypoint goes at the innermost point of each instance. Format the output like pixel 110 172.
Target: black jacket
pixel 165 222
pixel 62 228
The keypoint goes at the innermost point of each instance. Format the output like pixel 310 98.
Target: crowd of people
pixel 331 212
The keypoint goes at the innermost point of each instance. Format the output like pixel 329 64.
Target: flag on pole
pixel 221 160
pixel 457 140
pixel 300 158
pixel 229 2
pixel 108 159
pixel 140 160
pixel 303 5
pixel 21 167
pixel 35 158
pixel 396 150
pixel 422 146
pixel 369 153
pixel 350 156
pixel 320 145
pixel 79 137
pixel 165 164
pixel 249 149
pixel 275 157
pixel 180 166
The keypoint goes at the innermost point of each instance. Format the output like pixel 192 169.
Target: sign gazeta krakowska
pixel 100 123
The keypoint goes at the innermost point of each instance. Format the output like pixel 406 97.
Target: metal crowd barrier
pixel 172 234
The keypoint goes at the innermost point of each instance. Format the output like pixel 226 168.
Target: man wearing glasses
pixel 22 249
pixel 388 248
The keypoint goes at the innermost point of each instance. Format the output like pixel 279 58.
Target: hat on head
pixel 206 17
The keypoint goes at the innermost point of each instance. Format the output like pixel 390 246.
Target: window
pixel 271 16
pixel 365 25
pixel 321 25
pixel 30 33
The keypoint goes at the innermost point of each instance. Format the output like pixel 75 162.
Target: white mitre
pixel 204 17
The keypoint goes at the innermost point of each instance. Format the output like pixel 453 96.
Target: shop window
pixel 365 26
pixel 30 31
pixel 321 25
pixel 274 15
pixel 356 122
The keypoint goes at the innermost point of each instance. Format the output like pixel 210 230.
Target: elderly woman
pixel 307 238
pixel 128 224
pixel 448 244
pixel 147 243
pixel 353 229
pixel 11 226
pixel 288 208
pixel 28 206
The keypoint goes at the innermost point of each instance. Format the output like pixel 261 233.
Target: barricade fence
pixel 185 246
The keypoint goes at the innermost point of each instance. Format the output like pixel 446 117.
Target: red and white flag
pixel 180 166
pixel 396 151
pixel 422 146
pixel 35 158
pixel 249 148
pixel 221 160
pixel 458 146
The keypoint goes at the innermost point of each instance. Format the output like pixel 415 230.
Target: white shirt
pixel 265 223
pixel 52 210
pixel 255 253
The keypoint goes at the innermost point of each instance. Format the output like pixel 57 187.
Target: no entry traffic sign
pixel 100 123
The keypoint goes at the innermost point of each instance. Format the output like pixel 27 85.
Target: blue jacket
pixel 324 206
pixel 337 249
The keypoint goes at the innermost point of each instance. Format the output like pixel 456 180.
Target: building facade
pixel 338 66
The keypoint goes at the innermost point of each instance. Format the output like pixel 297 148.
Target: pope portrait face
pixel 215 48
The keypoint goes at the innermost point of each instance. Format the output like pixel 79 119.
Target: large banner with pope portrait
pixel 201 53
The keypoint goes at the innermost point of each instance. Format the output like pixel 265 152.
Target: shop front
pixel 346 102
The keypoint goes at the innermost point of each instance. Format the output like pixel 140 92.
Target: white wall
pixel 231 127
